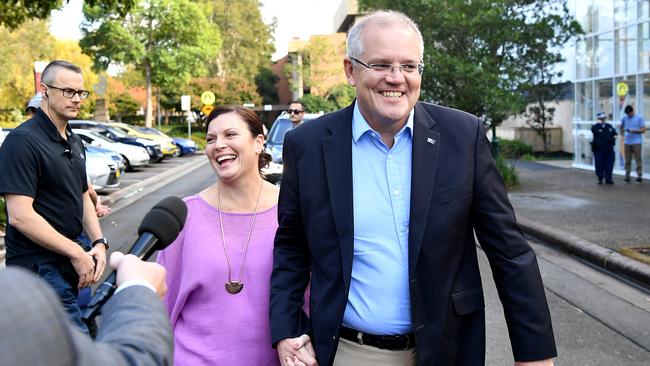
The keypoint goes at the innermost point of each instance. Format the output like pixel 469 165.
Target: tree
pixel 168 41
pixel 247 40
pixel 479 54
pixel 123 104
pixel 14 13
pixel 316 103
pixel 265 82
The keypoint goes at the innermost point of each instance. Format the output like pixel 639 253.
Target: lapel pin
pixel 431 141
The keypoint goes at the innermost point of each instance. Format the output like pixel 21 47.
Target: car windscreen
pixel 281 126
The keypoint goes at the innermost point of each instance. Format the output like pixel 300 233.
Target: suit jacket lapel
pixel 337 152
pixel 426 143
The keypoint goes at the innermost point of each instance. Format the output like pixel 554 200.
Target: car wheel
pixel 179 151
pixel 128 167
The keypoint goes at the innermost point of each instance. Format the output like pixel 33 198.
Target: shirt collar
pixel 49 128
pixel 361 126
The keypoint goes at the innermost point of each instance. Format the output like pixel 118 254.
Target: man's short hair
pixel 629 109
pixel 383 18
pixel 49 73
pixel 298 101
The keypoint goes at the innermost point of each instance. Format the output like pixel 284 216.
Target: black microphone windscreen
pixel 165 220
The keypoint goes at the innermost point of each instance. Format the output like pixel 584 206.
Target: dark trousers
pixel 604 161
pixel 63 278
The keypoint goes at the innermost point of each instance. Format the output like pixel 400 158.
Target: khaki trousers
pixel 633 150
pixel 353 354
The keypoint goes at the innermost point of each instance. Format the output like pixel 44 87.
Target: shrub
pixel 3 216
pixel 514 149
pixel 508 173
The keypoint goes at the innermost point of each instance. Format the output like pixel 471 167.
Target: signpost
pixel 186 104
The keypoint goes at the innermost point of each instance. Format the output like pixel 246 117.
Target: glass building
pixel 612 70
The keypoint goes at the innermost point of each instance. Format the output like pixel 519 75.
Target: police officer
pixel 603 148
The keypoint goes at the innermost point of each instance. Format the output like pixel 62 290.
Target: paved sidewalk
pixel 567 207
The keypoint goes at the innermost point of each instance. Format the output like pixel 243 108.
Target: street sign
pixel 208 98
pixel 185 102
pixel 268 107
pixel 622 89
pixel 207 109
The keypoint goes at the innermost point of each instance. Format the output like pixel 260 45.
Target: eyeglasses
pixel 69 93
pixel 385 69
pixel 294 111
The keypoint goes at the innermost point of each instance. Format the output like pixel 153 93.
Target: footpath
pixel 566 207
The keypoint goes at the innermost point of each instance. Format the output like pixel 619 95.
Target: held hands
pixel 297 352
pixel 131 268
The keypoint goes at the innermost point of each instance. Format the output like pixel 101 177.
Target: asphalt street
pixel 598 319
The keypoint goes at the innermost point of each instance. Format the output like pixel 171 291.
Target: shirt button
pixel 390 157
pixel 396 192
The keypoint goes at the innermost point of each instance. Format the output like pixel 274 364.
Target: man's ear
pixel 347 66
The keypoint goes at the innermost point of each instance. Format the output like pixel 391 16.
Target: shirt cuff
pixel 135 283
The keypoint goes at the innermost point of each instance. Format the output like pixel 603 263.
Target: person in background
pixel 46 191
pixel 633 128
pixel 220 264
pixel 34 104
pixel 602 146
pixel 380 205
pixel 296 113
pixel 135 330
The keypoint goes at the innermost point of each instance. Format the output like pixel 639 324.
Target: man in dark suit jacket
pixel 378 208
pixel 135 330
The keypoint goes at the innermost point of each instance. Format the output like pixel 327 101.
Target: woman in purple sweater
pixel 219 267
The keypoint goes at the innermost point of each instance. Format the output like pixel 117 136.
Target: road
pixel 598 319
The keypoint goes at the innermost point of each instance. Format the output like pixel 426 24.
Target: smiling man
pixel 378 208
pixel 45 187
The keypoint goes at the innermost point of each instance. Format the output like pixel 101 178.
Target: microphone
pixel 158 229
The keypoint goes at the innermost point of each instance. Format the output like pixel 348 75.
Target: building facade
pixel 612 70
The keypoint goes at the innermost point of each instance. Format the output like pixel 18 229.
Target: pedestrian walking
pixel 633 128
pixel 602 146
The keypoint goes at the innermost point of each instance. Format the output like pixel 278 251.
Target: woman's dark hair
pixel 254 126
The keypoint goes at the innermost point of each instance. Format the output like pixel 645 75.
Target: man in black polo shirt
pixel 44 183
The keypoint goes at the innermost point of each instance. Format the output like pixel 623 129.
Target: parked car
pixel 101 171
pixel 153 148
pixel 134 156
pixel 275 137
pixel 166 143
pixel 116 157
pixel 185 146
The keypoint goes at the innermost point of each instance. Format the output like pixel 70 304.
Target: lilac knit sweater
pixel 211 326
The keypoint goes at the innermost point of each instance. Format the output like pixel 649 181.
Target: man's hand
pixel 85 266
pixel 131 268
pixel 548 362
pixel 101 210
pixel 297 352
pixel 99 253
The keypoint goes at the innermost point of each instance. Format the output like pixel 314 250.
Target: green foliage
pixel 121 105
pixel 14 12
pixel 342 95
pixel 247 40
pixel 480 54
pixel 265 82
pixel 168 41
pixel 315 104
pixel 508 173
pixel 514 149
pixel 3 214
pixel 198 135
pixel 528 157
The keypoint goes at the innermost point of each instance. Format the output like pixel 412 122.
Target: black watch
pixel 101 240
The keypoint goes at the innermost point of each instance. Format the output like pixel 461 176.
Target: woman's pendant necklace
pixel 235 286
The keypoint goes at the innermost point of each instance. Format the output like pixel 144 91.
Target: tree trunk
pixel 148 113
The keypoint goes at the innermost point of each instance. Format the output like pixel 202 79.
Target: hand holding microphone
pixel 131 269
pixel 158 229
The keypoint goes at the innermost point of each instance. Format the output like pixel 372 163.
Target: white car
pixel 135 156
pixel 101 172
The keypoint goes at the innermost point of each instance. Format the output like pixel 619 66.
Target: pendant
pixel 234 287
